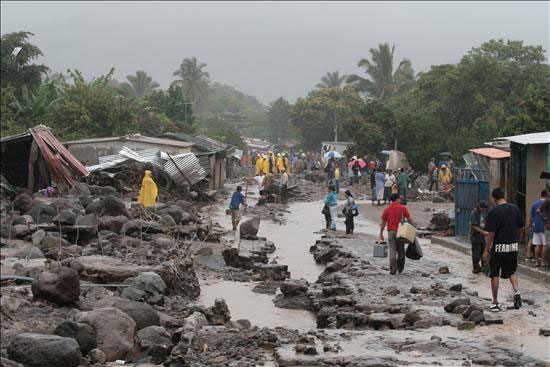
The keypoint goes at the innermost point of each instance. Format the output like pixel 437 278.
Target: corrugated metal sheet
pixel 535 138
pixel 144 156
pixel 189 165
pixel 64 167
pixel 492 153
pixel 204 160
pixel 479 166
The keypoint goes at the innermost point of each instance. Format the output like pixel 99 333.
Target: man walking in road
pixel 478 234
pixel 236 200
pixel 391 217
pixel 536 221
pixel 504 233
pixel 403 185
pixel 283 186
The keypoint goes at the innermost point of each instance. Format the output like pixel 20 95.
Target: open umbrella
pixel 386 152
pixel 361 163
pixel 333 154
pixel 445 154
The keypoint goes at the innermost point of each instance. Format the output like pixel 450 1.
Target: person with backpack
pixel 350 211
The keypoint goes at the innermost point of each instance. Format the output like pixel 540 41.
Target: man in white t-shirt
pixel 260 182
pixel 389 181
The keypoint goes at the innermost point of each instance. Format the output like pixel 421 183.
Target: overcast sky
pixel 267 49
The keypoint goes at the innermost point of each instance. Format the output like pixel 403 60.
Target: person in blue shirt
pixel 331 203
pixel 379 179
pixel 537 221
pixel 234 206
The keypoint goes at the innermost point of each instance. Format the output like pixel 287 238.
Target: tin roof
pixel 152 155
pixel 133 137
pixel 186 164
pixel 492 153
pixel 525 139
pixel 200 141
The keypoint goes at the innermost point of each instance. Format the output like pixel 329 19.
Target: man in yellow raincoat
pixel 280 164
pixel 265 164
pixel 148 192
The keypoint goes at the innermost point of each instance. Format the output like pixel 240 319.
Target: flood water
pixel 293 241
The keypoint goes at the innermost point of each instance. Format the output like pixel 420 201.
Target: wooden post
pixel 33 156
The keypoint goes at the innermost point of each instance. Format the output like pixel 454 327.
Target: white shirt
pixel 389 180
pixel 284 179
pixel 260 181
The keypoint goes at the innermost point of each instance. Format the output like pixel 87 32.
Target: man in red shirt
pixel 392 216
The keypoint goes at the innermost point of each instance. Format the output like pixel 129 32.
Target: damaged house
pixel 213 155
pixel 35 158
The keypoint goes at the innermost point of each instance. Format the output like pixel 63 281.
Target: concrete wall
pixel 90 151
pixel 536 163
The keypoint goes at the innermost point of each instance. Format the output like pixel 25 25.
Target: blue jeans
pixel 337 185
pixel 332 209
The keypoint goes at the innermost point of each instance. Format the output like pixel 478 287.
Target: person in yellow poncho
pixel 259 162
pixel 280 164
pixel 445 177
pixel 148 192
pixel 265 164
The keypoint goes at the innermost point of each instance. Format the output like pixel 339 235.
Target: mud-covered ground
pixel 294 295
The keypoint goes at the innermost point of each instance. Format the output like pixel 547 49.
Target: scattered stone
pixel 425 275
pixel 152 341
pixel 149 282
pixel 456 302
pixel 245 324
pixel 39 350
pixel 391 291
pixel 414 290
pixel 65 218
pixel 89 220
pixel 42 213
pixel 310 350
pixel 97 356
pixel 444 270
pixel 544 331
pixel 114 331
pixel 477 316
pixel 466 325
pixel 299 348
pixel 250 227
pixel 37 237
pixel 460 309
pixel 22 203
pixel 84 334
pixel 219 313
pixel 143 314
pixel 456 287
pixel 30 252
pixel 20 231
pixel 61 286
pixel 293 287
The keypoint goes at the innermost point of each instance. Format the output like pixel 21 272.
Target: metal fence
pixel 468 192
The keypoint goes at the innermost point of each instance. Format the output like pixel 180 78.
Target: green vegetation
pixel 194 81
pixel 332 80
pixel 279 120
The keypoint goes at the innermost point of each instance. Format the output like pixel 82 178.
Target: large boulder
pixel 65 218
pixel 22 203
pixel 143 314
pixel 109 205
pixel 113 224
pixel 39 350
pixel 294 287
pixel 175 212
pixel 49 243
pixel 114 331
pixel 152 341
pixel 61 286
pixel 89 220
pixel 79 189
pixel 42 213
pixel 149 282
pixel 250 227
pixel 84 334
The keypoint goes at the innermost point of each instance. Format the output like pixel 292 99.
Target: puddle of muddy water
pixel 255 307
pixel 292 243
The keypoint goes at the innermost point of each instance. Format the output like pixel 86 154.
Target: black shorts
pixel 503 264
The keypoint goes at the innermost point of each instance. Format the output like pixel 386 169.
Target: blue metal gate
pixel 468 192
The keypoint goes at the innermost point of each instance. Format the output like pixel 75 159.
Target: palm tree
pixel 331 80
pixel 383 81
pixel 31 108
pixel 194 81
pixel 139 85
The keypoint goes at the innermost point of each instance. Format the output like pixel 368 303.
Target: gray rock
pixel 544 331
pixel 20 231
pixel 167 221
pixel 84 334
pixel 153 341
pixel 79 189
pixel 39 350
pixel 89 220
pixel 143 314
pixel 460 309
pixel 456 302
pixel 477 316
pixel 456 287
pixel 149 282
pixel 65 218
pixel 134 294
pixel 42 213
pixel 294 287
pixel 466 325
pixel 114 206
pixel 49 243
pixel 22 203
pixel 310 350
pixel 37 237
pixel 97 356
pixel 61 287
pixel 300 348
pixel 444 270
pixel 250 227
pixel 30 252
pixel 113 224
pixel 219 313
pixel 175 212
pixel 114 331
pixel 245 324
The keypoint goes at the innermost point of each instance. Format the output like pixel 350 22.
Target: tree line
pixel 76 108
pixel 500 88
